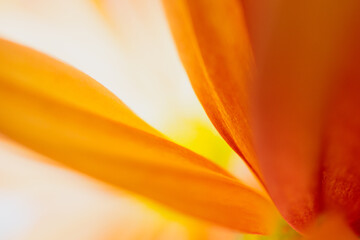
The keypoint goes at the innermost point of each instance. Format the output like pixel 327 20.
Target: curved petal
pixel 41 74
pixel 297 45
pixel 124 156
pixel 212 42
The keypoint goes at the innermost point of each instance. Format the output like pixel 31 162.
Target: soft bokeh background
pixel 126 46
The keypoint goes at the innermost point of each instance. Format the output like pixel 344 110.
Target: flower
pixel 278 80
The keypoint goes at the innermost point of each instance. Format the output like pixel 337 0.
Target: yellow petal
pixel 41 74
pixel 116 153
pixel 213 45
pixel 297 46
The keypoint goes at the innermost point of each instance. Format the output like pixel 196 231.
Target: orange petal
pixel 213 45
pixel 297 45
pixel 341 167
pixel 41 74
pixel 117 153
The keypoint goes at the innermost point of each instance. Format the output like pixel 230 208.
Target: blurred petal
pixel 38 73
pixel 297 46
pixel 38 200
pixel 116 153
pixel 214 48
